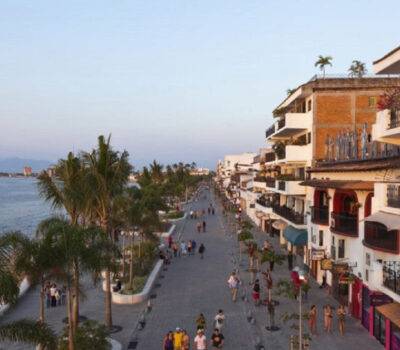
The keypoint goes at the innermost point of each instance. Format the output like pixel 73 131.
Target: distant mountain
pixel 16 165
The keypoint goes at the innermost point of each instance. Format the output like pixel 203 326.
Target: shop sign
pixel 326 264
pixel 317 254
pixel 377 299
pixel 340 268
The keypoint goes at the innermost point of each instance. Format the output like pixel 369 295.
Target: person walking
pixel 341 313
pixel 183 248
pixel 217 339
pixel 168 342
pixel 185 340
pixel 219 320
pixel 202 249
pixel 175 249
pixel 256 292
pixel 328 315
pixel 201 322
pixel 178 335
pixel 200 341
pixel 189 247
pixel 233 283
pixel 312 319
pixel 199 227
pixel 194 246
pixel 290 260
pixel 53 290
pixel 204 226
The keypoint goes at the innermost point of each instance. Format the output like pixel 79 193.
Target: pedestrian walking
pixel 200 341
pixel 233 283
pixel 219 320
pixel 191 214
pixel 209 210
pixel 217 339
pixel 204 226
pixel 328 315
pixel 201 322
pixel 183 248
pixel 168 342
pixel 213 211
pixel 341 313
pixel 194 246
pixel 189 247
pixel 312 319
pixel 53 290
pixel 256 292
pixel 178 335
pixel 202 249
pixel 199 227
pixel 185 340
pixel 175 249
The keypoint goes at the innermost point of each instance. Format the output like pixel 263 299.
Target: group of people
pixel 55 296
pixel 180 340
pixel 328 312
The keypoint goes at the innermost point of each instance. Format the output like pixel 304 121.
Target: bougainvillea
pixel 390 100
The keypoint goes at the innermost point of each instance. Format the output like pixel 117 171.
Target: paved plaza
pixel 191 286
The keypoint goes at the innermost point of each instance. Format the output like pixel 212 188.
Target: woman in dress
pixel 312 320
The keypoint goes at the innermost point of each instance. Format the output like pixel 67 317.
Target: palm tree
pixel 357 69
pixel 322 62
pixel 107 177
pixel 156 170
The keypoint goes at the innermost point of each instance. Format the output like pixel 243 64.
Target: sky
pixel 169 80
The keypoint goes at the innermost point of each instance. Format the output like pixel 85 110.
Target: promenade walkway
pixel 191 286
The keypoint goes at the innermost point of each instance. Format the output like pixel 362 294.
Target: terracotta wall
pixel 338 111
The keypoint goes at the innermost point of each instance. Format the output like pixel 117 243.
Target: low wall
pixel 169 233
pixel 179 219
pixel 23 288
pixel 118 298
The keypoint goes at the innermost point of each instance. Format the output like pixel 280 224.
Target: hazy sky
pixel 171 80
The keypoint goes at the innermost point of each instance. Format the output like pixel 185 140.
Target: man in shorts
pixel 200 341
pixel 217 339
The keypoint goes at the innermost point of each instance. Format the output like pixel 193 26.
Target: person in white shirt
pixel 233 283
pixel 219 320
pixel 200 341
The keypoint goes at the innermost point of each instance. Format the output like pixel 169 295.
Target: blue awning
pixel 295 236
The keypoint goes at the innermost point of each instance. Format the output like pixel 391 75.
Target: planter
pixel 178 219
pixel 129 299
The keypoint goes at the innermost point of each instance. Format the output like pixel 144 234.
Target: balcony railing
pixel 289 214
pixel 391 275
pixel 393 198
pixel 345 224
pixel 264 202
pixel 281 154
pixel 394 119
pixel 377 237
pixel 270 131
pixel 281 123
pixel 269 157
pixel 281 185
pixel 320 215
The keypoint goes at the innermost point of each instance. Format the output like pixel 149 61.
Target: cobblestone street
pixel 192 286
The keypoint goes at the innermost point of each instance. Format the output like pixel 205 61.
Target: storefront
pixel 340 283
pixel 387 325
pixel 356 296
pixel 314 261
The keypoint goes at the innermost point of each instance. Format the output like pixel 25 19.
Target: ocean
pixel 21 207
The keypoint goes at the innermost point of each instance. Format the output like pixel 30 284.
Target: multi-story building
pixel 310 122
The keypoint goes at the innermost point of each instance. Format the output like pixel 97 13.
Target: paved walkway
pixel 190 286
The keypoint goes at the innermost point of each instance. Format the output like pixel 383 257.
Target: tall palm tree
pixel 67 190
pixel 107 177
pixel 156 170
pixel 322 62
pixel 357 69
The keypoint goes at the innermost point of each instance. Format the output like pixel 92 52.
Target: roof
pixel 391 221
pixel 357 165
pixel 387 55
pixel 340 184
pixel 391 311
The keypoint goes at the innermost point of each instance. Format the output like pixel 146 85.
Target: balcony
pixel 296 153
pixel 291 187
pixel 393 198
pixel 270 131
pixel 391 275
pixel 265 202
pixel 270 182
pixel 320 215
pixel 291 125
pixel 269 157
pixel 387 127
pixel 344 224
pixel 289 214
pixel 377 237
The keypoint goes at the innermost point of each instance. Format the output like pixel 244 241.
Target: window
pixel 309 105
pixel 367 275
pixel 368 259
pixel 321 238
pixel 313 237
pixel 341 249
pixel 309 137
pixel 372 101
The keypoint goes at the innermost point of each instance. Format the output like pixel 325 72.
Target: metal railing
pixel 270 131
pixel 264 202
pixel 320 215
pixel 269 157
pixel 270 182
pixel 345 224
pixel 391 275
pixel 282 186
pixel 289 214
pixel 393 198
pixel 394 118
pixel 376 236
pixel 281 123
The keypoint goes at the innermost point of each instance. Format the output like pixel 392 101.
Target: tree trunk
pixel 108 300
pixel 75 300
pixel 41 310
pixel 71 345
